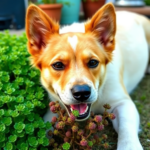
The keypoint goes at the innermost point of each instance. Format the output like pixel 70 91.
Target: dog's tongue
pixel 80 107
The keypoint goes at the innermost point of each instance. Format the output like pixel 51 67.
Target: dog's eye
pixel 58 66
pixel 93 63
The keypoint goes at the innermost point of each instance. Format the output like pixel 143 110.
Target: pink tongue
pixel 80 107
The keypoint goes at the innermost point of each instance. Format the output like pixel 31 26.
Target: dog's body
pixel 85 66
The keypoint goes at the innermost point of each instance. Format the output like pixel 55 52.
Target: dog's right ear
pixel 39 29
pixel 103 25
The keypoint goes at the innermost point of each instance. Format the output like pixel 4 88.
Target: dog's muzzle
pixel 81 93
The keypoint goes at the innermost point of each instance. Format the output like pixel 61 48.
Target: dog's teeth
pixel 86 109
pixel 71 109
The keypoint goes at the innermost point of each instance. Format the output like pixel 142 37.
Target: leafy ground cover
pixel 22 99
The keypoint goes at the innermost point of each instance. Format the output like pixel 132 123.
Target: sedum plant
pixel 22 99
pixel 47 1
pixel 76 136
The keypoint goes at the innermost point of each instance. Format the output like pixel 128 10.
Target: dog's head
pixel 73 60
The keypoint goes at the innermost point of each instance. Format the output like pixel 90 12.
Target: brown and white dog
pixel 86 65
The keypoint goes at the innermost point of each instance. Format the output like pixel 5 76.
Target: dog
pixel 86 65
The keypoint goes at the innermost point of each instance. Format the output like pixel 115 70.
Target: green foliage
pixel 66 146
pixel 64 2
pixel 147 2
pixel 76 113
pixel 22 99
pixel 91 1
pixel 46 1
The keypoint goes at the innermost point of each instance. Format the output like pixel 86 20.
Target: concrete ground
pixel 17 32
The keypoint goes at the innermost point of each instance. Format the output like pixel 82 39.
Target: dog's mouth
pixel 83 108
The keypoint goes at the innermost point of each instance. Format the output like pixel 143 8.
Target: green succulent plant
pixel 73 135
pixel 22 99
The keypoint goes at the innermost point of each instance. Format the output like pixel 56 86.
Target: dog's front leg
pixel 127 125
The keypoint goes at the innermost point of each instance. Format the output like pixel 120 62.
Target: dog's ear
pixel 39 29
pixel 103 25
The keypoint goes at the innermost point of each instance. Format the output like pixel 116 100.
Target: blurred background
pixel 12 15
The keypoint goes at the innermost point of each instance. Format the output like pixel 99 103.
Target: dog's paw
pixel 129 145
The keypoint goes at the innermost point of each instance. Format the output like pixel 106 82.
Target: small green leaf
pixel 30 117
pixel 1 85
pixel 33 73
pixel 66 146
pixel 2 145
pixel 26 111
pixel 75 112
pixel 30 96
pixel 7 113
pixel 7 121
pixel 29 83
pixel 2 135
pixel 2 127
pixel 41 124
pixel 29 105
pixel 12 138
pixel 19 99
pixel 90 143
pixel 36 103
pixel 1 103
pixel 48 125
pixel 39 95
pixel 17 72
pixel 148 124
pixel 45 141
pixel 7 99
pixel 29 128
pixel 14 113
pixel 36 124
pixel 20 107
pixel 19 126
pixel 41 133
pixel 1 112
pixel 9 90
pixel 5 78
pixel 20 133
pixel 23 146
pixel 40 140
pixel 33 141
pixel 8 146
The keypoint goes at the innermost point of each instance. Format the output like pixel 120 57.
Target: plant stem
pixel 89 134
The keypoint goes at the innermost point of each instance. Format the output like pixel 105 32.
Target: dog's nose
pixel 81 92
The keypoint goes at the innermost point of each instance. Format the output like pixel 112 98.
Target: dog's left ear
pixel 103 25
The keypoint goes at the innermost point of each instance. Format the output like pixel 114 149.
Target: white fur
pixel 76 27
pixel 73 42
pixel 130 56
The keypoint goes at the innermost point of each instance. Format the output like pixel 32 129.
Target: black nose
pixel 81 92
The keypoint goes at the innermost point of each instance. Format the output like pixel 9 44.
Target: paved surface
pixel 17 32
